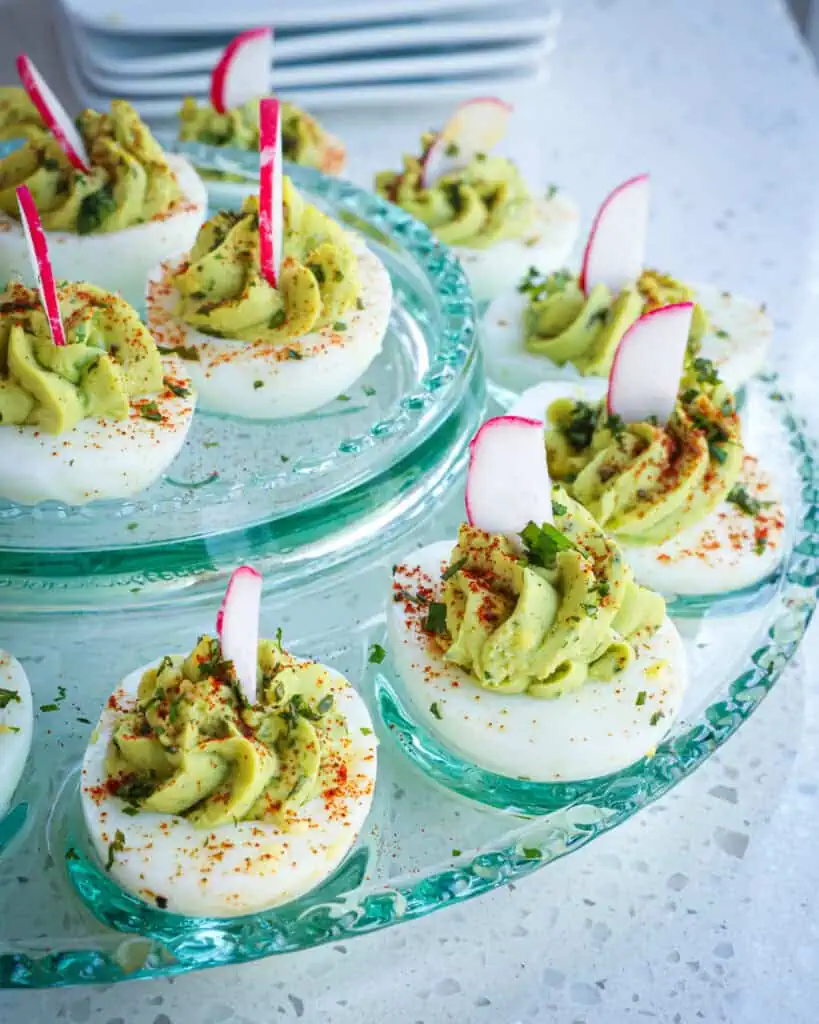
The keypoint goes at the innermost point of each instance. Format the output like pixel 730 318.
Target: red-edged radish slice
pixel 475 127
pixel 616 249
pixel 271 212
pixel 40 262
pixel 243 71
pixel 507 483
pixel 648 364
pixel 53 114
pixel 237 624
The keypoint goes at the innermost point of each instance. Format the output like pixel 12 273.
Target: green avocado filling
pixel 474 207
pixel 642 482
pixel 129 182
pixel 192 746
pixel 565 612
pixel 304 141
pixel 109 358
pixel 568 326
pixel 223 291
pixel 18 116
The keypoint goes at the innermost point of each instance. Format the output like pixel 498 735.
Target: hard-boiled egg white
pixel 726 551
pixel 99 458
pixel 232 869
pixel 118 261
pixel 598 729
pixel 498 268
pixel 737 341
pixel 268 382
pixel 16 726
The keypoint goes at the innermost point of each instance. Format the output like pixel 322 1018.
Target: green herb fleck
pixel 293 353
pixel 641 698
pixel 342 398
pixel 183 351
pixel 436 618
pixel 131 811
pixel 551 192
pixel 7 696
pixel 339 325
pixel 377 654
pixel 258 384
pixel 579 429
pixel 150 411
pixel 435 711
pixel 740 497
pixel 94 209
pixel 277 319
pixel 558 509
pixel 368 390
pixel 456 853
pixel 532 853
pixel 655 718
pixel 365 731
pixel 721 333
pixel 132 526
pixel 117 846
pixel 49 707
pixel 359 303
pixel 451 149
pixel 325 704
pixel 455 567
pixel 176 389
pixel 279 639
pixel 542 544
pixel 761 544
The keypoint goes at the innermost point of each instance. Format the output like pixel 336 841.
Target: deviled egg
pixel 99 417
pixel 18 116
pixel 560 325
pixel 526 646
pixel 694 513
pixel 478 203
pixel 134 205
pixel 205 799
pixel 259 352
pixel 16 726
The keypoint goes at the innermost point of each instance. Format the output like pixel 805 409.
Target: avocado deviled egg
pixel 562 325
pixel 19 118
pixel 231 779
pixel 660 464
pixel 478 203
pixel 95 414
pixel 16 726
pixel 526 646
pixel 112 202
pixel 262 351
pixel 231 117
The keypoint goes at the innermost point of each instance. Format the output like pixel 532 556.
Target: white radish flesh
pixel 271 213
pixel 616 249
pixel 237 624
pixel 243 71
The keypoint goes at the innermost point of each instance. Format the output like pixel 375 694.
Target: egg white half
pixel 737 341
pixel 118 261
pixel 16 728
pixel 99 458
pixel 718 555
pixel 233 869
pixel 261 382
pixel 593 731
pixel 547 244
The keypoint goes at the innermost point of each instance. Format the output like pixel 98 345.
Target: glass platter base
pixel 235 478
pixel 424 846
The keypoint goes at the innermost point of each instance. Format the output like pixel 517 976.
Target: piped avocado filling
pixel 130 181
pixel 563 612
pixel 109 358
pixel 195 748
pixel 568 326
pixel 645 483
pixel 224 293
pixel 474 207
pixel 303 138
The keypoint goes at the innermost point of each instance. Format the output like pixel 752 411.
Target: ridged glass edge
pixel 537 843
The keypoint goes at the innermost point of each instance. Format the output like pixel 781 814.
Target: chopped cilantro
pixel 706 371
pixel 365 731
pixel 339 325
pixel 210 444
pixel 279 636
pixel 616 425
pixel 7 696
pixel 581 426
pixel 456 853
pixel 293 353
pixel 377 654
pixel 405 595
pixel 258 384
pixel 117 846
pixel 131 811
pixel 451 149
pixel 716 453
pixel 318 272
pixel 740 497
pixel 641 698
pixel 49 707
pixel 542 544
pixel 761 544
pixel 342 398
pixel 721 333
pixel 655 718
pixel 368 390
pixel 435 711
pixel 150 411
pixel 176 389
pixel 455 567
pixel 359 303
pixel 436 618
pixel 532 853
pixel 558 509
pixel 132 526
pixel 277 319
pixel 590 609
pixel 94 209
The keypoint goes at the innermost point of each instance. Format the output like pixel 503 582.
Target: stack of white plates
pixel 329 53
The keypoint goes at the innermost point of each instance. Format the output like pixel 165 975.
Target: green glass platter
pixel 424 847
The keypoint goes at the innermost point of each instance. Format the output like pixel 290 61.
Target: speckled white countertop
pixel 705 907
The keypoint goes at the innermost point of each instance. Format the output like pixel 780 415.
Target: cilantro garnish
pixel 150 411
pixel 655 718
pixel 542 544
pixel 455 567
pixel 641 698
pixel 377 654
pixel 436 618
pixel 7 696
pixel 581 426
pixel 117 846
pixel 435 711
pixel 739 496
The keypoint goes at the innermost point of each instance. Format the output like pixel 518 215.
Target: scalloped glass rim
pixel 416 413
pixel 605 804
